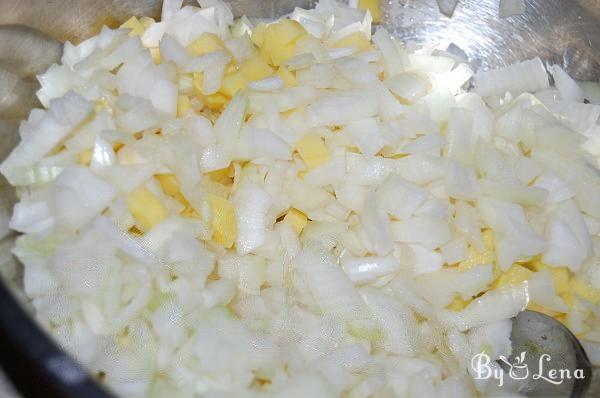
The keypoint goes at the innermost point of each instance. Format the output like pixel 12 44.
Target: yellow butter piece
pixel 190 212
pixel 568 298
pixel 560 276
pixel 277 53
pixel 216 101
pixel 312 150
pixel 206 43
pixel 356 40
pixel 477 257
pixel 584 290
pixel 146 208
pixel 155 54
pixel 222 175
pixel 258 34
pixel 146 21
pixel 137 29
pixel 255 68
pixel 286 30
pixel 198 79
pixel 168 183
pixel 233 83
pixel 85 157
pixel 373 7
pixel 279 41
pixel 536 307
pixel 223 222
pixel 514 275
pixel 288 77
pixel 562 318
pixel 488 239
pixel 183 105
pixel 458 304
pixel 296 219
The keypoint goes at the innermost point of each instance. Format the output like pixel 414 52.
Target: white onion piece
pixel 462 182
pixel 329 173
pixel 153 34
pixel 557 189
pixel 268 84
pixel 188 24
pixel 240 48
pixel 401 334
pixel 492 338
pixel 103 155
pixel 427 231
pixel 400 198
pixel 171 50
pixel 377 227
pixel 455 251
pixel 32 217
pixel 419 168
pixel 79 196
pixel 517 78
pixel 439 287
pixel 169 9
pixel 495 305
pixel 252 206
pixel 342 107
pixel 363 270
pixel 229 124
pixel 256 143
pixel 392 55
pixel 366 135
pixel 541 291
pixel 331 288
pixel 514 237
pixel 424 260
pixel 514 193
pixel 408 86
pixel 71 110
pixel 141 117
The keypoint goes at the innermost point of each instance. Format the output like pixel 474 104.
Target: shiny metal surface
pixel 566 32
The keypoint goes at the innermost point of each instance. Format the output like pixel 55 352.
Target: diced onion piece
pixel 568 88
pixel 362 270
pixel 517 78
pixel 493 306
pixel 408 86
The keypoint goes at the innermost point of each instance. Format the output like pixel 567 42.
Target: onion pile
pixel 301 208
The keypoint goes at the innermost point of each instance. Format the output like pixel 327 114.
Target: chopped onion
pixel 208 206
pixel 568 88
pixel 517 78
pixel 362 270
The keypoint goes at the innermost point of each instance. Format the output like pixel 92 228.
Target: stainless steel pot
pixel 565 32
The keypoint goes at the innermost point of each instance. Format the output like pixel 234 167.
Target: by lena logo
pixel 484 369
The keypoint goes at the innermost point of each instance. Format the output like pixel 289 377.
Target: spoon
pixel 547 344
